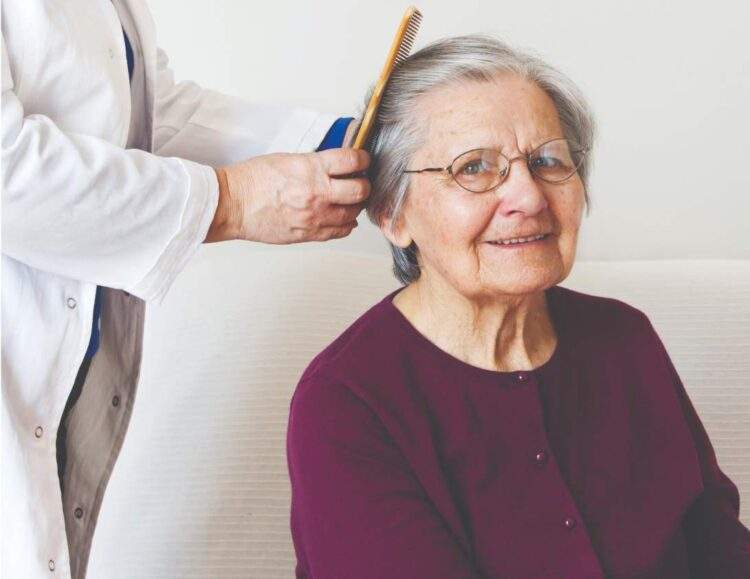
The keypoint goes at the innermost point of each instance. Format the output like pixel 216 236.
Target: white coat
pixel 79 209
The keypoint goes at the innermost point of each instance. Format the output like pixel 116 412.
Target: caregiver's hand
pixel 291 197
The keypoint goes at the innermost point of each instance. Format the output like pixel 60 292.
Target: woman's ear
pixel 395 231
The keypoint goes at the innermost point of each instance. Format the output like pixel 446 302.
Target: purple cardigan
pixel 407 463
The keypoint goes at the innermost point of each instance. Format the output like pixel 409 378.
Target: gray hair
pixel 396 136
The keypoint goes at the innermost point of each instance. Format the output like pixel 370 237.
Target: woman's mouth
pixel 517 242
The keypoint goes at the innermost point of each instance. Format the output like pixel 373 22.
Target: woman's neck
pixel 500 332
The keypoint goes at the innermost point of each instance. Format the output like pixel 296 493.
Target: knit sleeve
pixel 717 541
pixel 357 508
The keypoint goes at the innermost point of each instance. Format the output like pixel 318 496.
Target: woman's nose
pixel 520 191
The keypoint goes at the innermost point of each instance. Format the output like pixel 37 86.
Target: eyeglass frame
pixel 527 156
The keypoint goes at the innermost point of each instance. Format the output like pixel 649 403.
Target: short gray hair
pixel 395 136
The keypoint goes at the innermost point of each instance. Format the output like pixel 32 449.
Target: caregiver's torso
pixel 77 73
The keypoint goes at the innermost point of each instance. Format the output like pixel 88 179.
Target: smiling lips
pixel 520 240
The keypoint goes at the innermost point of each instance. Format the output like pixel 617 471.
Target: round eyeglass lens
pixel 478 170
pixel 553 161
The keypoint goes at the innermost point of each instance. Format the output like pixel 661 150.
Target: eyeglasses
pixel 480 170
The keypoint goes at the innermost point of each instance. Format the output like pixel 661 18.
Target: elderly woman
pixel 483 421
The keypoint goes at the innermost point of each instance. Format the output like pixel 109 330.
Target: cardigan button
pixel 569 523
pixel 541 457
pixel 521 377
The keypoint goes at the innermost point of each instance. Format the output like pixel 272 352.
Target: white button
pixel 111 53
pixel 72 303
pixel 51 565
pixel 38 432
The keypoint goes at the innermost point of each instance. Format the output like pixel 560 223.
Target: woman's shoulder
pixel 359 375
pixel 597 316
pixel 365 348
pixel 604 330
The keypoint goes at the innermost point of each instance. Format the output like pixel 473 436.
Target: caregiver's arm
pixel 192 122
pixel 271 198
pixel 718 543
pixel 85 208
pixel 357 508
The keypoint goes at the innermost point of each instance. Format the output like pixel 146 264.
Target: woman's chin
pixel 526 279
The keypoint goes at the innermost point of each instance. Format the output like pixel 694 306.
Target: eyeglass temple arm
pixel 433 169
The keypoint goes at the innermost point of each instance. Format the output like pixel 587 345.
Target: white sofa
pixel 201 487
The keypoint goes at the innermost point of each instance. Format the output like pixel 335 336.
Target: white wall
pixel 668 81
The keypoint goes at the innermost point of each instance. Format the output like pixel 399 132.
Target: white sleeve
pixel 81 207
pixel 208 127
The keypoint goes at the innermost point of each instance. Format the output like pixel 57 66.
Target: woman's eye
pixel 546 162
pixel 474 168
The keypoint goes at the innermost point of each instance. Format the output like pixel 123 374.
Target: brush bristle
pixel 412 27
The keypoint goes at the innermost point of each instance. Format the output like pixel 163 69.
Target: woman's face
pixel 457 231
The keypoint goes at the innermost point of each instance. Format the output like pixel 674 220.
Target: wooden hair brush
pixel 400 49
